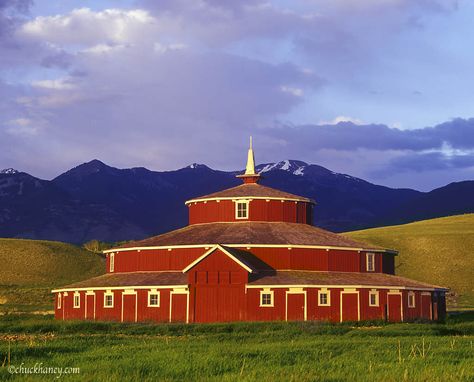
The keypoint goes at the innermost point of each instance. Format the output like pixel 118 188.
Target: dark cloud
pixel 458 134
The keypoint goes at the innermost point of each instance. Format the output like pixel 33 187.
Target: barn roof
pixel 251 190
pixel 251 233
pixel 130 279
pixel 257 280
pixel 279 278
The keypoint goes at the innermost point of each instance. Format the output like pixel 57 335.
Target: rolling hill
pixel 31 268
pixel 440 251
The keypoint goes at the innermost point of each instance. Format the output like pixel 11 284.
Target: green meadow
pixel 276 351
pixel 438 251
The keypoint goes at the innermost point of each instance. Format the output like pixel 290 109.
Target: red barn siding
pixel 259 210
pixel 343 261
pixel 218 285
pixel 175 259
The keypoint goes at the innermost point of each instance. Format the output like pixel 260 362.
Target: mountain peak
pixel 196 165
pixel 9 171
pixel 296 167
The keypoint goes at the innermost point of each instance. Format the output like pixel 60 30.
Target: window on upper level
pixel 60 296
pixel 373 298
pixel 411 300
pixel 370 257
pixel 111 262
pixel 242 209
pixel 324 298
pixel 266 298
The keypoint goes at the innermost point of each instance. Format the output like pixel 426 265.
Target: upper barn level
pixel 275 226
pixel 250 202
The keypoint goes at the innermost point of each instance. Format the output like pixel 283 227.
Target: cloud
pixel 174 82
pixel 84 26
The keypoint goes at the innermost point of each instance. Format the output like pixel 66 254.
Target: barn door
pixel 426 308
pixel 89 312
pixel 129 306
pixel 223 303
pixel 394 307
pixel 179 306
pixel 350 310
pixel 296 306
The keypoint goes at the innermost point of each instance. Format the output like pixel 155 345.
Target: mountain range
pixel 97 201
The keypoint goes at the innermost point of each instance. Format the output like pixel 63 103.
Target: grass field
pixel 438 251
pixel 30 268
pixel 240 351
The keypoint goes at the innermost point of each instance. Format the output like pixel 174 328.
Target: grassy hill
pixel 440 251
pixel 30 268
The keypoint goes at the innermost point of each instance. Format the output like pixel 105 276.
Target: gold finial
pixel 250 169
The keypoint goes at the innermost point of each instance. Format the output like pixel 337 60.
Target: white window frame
pixel 76 300
pixel 411 300
pixel 376 294
pixel 59 303
pixel 106 294
pixel 247 209
pixel 371 256
pixel 112 262
pixel 328 297
pixel 265 292
pixel 154 292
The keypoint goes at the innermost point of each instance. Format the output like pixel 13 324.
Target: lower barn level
pixel 207 303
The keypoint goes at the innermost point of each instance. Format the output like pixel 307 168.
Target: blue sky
pixel 379 89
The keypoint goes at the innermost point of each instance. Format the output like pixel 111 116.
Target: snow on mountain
pixel 9 171
pixel 294 166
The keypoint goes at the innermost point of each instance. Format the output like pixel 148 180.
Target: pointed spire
pixel 250 169
pixel 250 175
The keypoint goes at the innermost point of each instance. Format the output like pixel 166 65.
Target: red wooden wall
pixel 279 258
pixel 221 299
pixel 218 289
pixel 259 210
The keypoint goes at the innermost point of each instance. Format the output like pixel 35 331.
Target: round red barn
pixel 249 253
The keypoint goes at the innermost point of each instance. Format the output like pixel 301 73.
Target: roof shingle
pixel 279 233
pixel 252 190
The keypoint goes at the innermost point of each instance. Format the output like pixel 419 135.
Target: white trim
pixel 219 247
pixel 153 292
pixel 348 291
pixel 77 296
pixel 108 292
pixel 179 291
pixel 247 209
pixel 249 197
pixel 324 291
pixel 112 262
pixel 130 292
pixel 395 292
pixel 296 291
pixel 58 300
pixel 371 256
pixel 120 288
pixel 272 301
pixel 273 286
pixel 413 296
pixel 377 298
pixel 244 245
